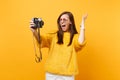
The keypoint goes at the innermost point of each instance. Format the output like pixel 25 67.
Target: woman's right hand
pixel 34 31
pixel 32 24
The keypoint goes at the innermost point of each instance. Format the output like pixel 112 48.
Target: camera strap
pixel 37 58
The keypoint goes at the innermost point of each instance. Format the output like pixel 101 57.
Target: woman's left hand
pixel 85 16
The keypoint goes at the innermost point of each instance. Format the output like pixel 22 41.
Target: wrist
pixel 82 28
pixel 33 30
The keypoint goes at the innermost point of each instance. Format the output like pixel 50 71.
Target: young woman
pixel 63 46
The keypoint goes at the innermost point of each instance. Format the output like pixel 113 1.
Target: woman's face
pixel 65 22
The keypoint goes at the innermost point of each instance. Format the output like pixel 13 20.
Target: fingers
pixel 32 23
pixel 85 16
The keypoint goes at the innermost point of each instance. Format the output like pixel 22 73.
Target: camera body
pixel 38 23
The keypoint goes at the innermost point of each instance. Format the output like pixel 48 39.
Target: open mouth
pixel 63 25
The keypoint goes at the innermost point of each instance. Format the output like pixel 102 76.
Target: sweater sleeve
pixel 77 44
pixel 45 40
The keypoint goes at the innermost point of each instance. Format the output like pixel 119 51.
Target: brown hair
pixel 72 28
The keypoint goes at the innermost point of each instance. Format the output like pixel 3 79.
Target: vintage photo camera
pixel 38 23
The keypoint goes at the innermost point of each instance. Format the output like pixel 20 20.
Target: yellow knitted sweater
pixel 61 58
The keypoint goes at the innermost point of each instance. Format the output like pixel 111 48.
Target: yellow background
pixel 99 60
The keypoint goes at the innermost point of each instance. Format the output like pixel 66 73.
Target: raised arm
pixel 82 29
pixel 34 31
